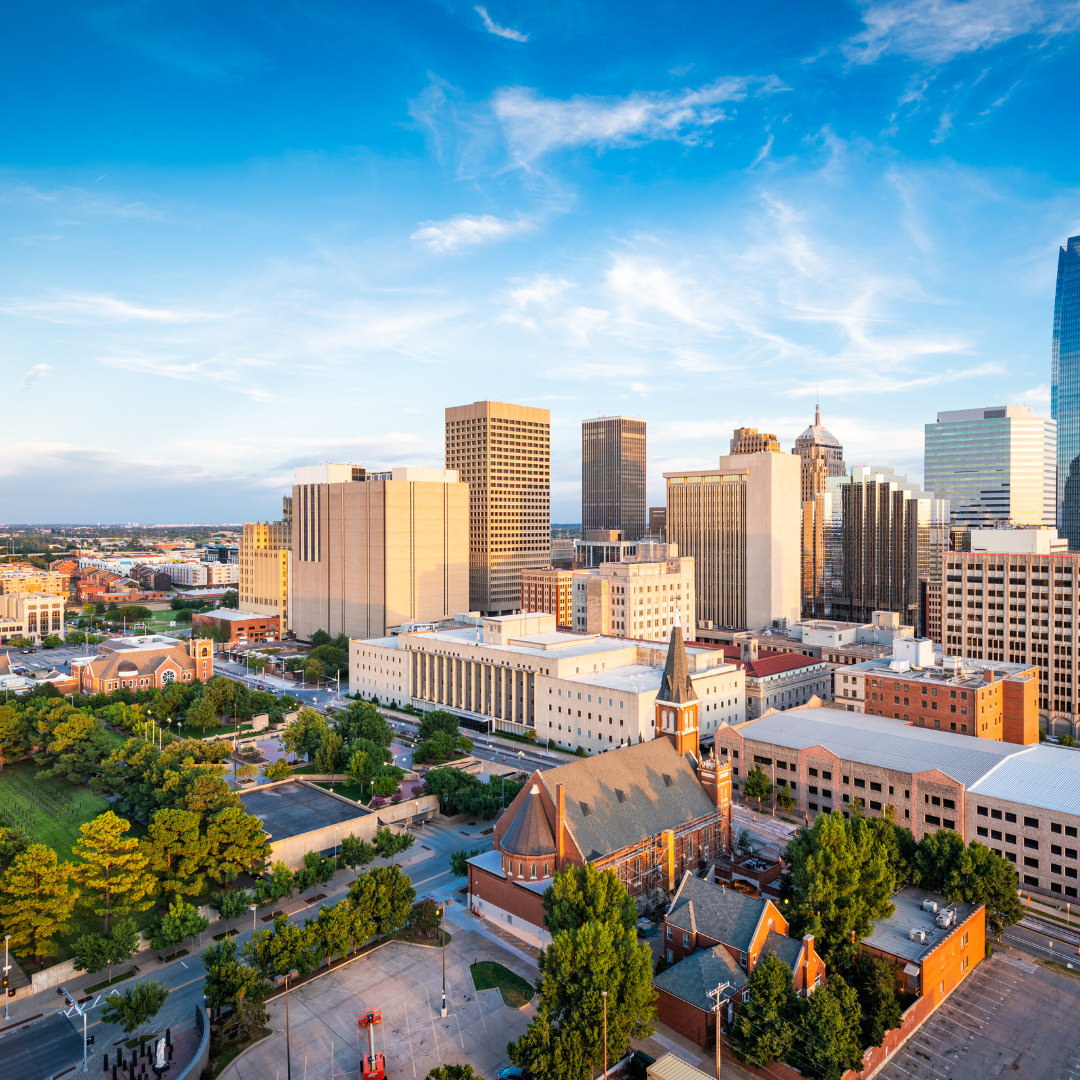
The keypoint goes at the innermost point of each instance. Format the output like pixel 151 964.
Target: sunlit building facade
pixel 1065 389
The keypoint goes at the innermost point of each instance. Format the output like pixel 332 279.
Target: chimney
pixel 988 674
pixel 748 651
pixel 560 825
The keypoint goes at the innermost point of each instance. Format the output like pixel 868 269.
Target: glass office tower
pixel 1065 389
pixel 613 475
pixel 996 466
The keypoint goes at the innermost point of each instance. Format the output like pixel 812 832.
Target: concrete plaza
pixel 405 982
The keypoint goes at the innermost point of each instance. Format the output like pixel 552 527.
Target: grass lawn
pixel 350 790
pixel 515 990
pixel 50 810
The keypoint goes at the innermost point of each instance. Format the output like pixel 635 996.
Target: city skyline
pixel 253 231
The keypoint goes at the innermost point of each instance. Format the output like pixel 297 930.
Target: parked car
pixel 513 1072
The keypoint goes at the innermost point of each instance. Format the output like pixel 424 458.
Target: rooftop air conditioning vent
pixel 930 905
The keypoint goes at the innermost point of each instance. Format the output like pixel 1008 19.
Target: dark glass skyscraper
pixel 1065 389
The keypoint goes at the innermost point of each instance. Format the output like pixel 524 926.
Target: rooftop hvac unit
pixel 930 905
pixel 945 918
pixel 917 935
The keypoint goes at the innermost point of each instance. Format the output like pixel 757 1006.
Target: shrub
pixel 376 803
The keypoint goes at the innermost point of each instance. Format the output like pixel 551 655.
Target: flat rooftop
pixel 232 615
pixel 893 935
pixel 130 644
pixel 966 673
pixel 293 809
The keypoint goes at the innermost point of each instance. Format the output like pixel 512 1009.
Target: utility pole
pixel 442 926
pixel 70 1000
pixel 288 1052
pixel 718 994
pixel 603 994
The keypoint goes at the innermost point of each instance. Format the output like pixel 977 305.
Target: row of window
pixel 1029 822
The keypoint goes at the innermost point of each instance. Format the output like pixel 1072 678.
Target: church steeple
pixel 676 701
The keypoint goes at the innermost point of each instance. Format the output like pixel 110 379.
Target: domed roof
pixel 529 833
pixel 127 667
pixel 818 434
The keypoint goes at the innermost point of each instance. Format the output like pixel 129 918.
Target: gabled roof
pixel 676 685
pixel 721 914
pixel 691 979
pixel 785 948
pixel 127 665
pixel 529 833
pixel 628 795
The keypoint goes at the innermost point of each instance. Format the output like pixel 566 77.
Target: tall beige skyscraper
pixel 613 475
pixel 375 550
pixel 503 452
pixel 264 569
pixel 740 523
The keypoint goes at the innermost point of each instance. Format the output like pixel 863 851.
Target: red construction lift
pixel 374 1068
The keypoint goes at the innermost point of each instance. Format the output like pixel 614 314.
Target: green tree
pixel 424 917
pixel 281 884
pixel 390 844
pixel 831 1042
pixel 113 871
pixel 841 882
pixel 355 852
pixel 96 951
pixel 227 977
pixel 361 720
pixel 575 968
pixel 785 800
pixel 13 842
pixel 53 641
pixel 333 929
pixel 135 1007
pixel 123 942
pixel 14 736
pixel 383 898
pixel 176 851
pixel 581 893
pixel 36 901
pixel 236 842
pixel 330 757
pixel 73 747
pixel 314 671
pixel 357 768
pixel 875 981
pixel 305 734
pixel 439 736
pixel 285 947
pixel 451 1072
pixel 459 861
pixel 762 1030
pixel 181 921
pixel 277 770
pixel 202 714
pixel 231 904
pixel 757 786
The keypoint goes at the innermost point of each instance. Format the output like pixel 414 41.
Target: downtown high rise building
pixel 503 452
pixel 613 475
pixel 996 466
pixel 1065 390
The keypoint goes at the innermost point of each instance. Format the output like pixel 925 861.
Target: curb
pixel 258 1042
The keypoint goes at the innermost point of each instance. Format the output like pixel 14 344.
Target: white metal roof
pixel 1043 776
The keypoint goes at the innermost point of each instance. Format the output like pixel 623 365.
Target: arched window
pixel 534 871
pixel 521 869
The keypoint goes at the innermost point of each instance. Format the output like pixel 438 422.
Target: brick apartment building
pixel 244 628
pixel 549 590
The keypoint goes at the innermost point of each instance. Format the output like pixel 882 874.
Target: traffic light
pixel 89 1040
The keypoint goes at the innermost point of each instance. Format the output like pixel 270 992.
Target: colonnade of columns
pixel 495 690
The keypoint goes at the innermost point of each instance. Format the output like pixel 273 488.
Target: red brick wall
pixel 521 903
pixel 1021 712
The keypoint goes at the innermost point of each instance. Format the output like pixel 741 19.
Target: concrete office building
pixel 503 452
pixel 996 466
pixel 658 522
pixel 265 549
pixel 371 551
pixel 519 673
pixel 30 615
pixel 739 523
pixel 613 475
pixel 636 598
pixel 881 536
pixel 1065 389
pixel 602 546
pixel 748 440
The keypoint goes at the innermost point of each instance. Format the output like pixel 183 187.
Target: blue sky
pixel 240 237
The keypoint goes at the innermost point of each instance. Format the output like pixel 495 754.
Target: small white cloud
pixel 466 230
pixel 34 376
pixel 1039 394
pixel 937 31
pixel 493 27
pixel 944 128
pixel 762 154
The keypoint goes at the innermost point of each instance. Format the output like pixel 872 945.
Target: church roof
pixel 818 434
pixel 676 685
pixel 529 833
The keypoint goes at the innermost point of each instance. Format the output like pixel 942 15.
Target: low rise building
pixel 777 680
pixel 980 698
pixel 139 663
pixel 714 935
pixel 202 573
pixel 549 590
pixel 518 673
pixel 28 579
pixel 599 546
pixel 31 615
pixel 243 627
pixel 636 598
pixel 650 813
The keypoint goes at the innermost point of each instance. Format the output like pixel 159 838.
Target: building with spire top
pixel 676 701
pixel 822 456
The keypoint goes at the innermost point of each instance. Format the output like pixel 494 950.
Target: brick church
pixel 650 812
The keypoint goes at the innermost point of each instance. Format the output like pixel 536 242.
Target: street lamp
pixel 70 1000
pixel 254 908
pixel 442 929
pixel 288 1052
pixel 603 994
pixel 7 968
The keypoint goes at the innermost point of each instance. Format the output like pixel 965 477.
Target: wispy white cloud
pixel 232 377
pixel 34 376
pixel 467 230
pixel 763 153
pixel 944 128
pixel 936 31
pixel 535 125
pixel 76 308
pixel 1038 395
pixel 900 381
pixel 493 27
